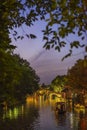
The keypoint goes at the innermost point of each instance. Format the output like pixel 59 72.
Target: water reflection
pixel 82 124
pixel 39 114
pixel 13 113
pixel 60 119
pixel 19 118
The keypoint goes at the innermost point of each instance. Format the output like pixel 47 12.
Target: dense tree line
pixel 17 79
pixel 63 17
pixel 77 79
pixel 77 75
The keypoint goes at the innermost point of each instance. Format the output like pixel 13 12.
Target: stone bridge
pixel 50 94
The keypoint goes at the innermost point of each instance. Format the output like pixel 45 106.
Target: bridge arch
pixel 51 95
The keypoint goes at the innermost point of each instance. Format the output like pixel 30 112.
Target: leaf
pixel 22 37
pixel 82 45
pixel 75 44
pixel 27 35
pixel 12 47
pixel 79 33
pixel 83 38
pixel 52 46
pixel 69 54
pixel 48 47
pixel 45 38
pixel 18 37
pixel 57 48
pixel 62 44
pixel 66 56
pixel 32 36
pixel 86 48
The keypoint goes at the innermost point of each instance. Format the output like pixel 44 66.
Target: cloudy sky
pixel 47 63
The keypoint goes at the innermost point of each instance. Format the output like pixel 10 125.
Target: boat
pixel 61 111
pixel 61 107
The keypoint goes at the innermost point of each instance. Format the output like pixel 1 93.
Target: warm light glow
pixel 11 113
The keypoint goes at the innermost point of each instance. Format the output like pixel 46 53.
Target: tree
pixel 77 78
pixel 28 82
pixel 9 76
pixel 14 14
pixel 63 18
pixel 66 17
pixel 77 75
pixel 17 79
pixel 59 83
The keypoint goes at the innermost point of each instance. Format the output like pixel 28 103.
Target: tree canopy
pixel 63 17
pixel 67 17
pixel 59 83
pixel 77 75
pixel 17 79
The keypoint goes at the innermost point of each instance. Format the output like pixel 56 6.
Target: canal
pixel 39 114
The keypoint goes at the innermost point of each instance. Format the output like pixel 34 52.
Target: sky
pixel 46 63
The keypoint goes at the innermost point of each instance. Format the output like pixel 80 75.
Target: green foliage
pixel 77 75
pixel 17 79
pixel 58 83
pixel 65 18
pixel 62 17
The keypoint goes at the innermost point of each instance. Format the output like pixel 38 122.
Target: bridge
pixel 51 94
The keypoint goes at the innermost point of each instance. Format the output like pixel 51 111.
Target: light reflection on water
pixel 13 113
pixel 39 114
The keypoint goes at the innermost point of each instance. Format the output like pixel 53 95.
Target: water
pixel 40 114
